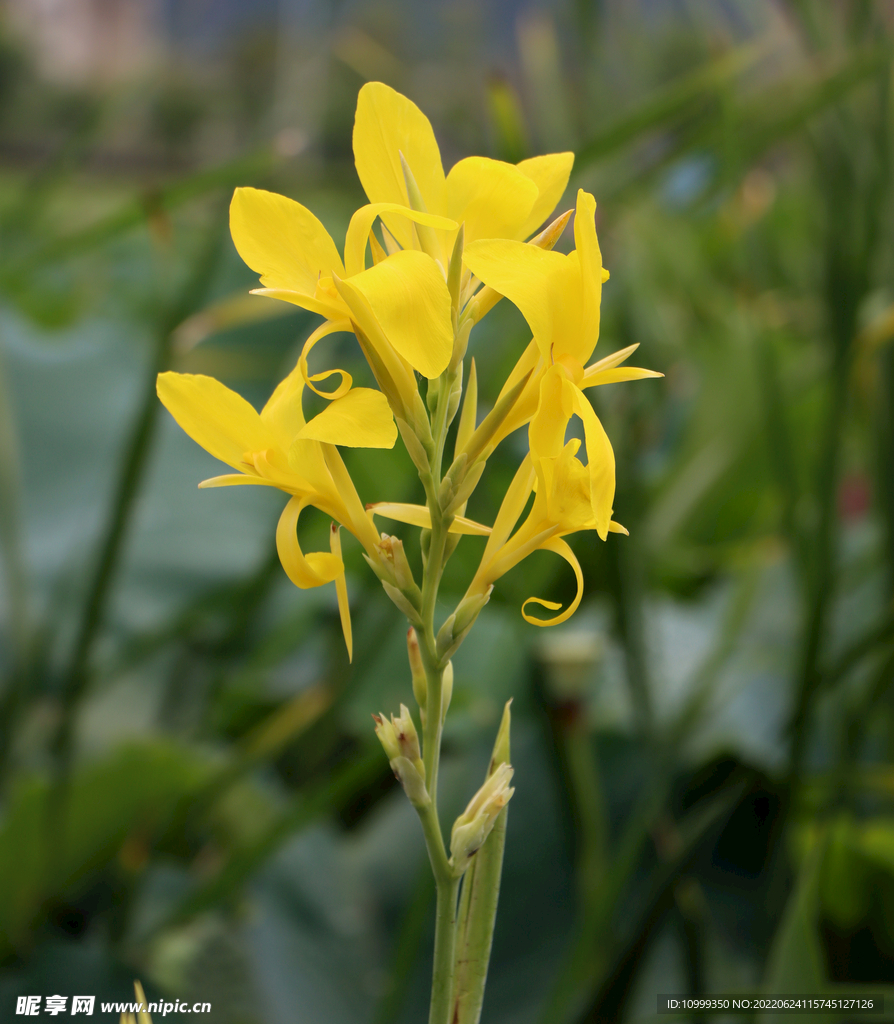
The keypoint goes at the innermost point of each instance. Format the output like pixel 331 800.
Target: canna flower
pixel 400 307
pixel 279 448
pixel 569 496
pixel 398 161
pixel 560 298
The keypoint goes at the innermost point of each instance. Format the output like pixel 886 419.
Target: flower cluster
pixel 449 248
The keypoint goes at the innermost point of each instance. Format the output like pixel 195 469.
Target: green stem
pixel 477 917
pixel 447 883
pixel 445 954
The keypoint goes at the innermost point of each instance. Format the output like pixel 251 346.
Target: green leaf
pixel 795 963
pixel 45 858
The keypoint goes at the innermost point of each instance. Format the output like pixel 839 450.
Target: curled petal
pixel 360 419
pixel 562 549
pixel 333 327
pixel 281 240
pixel 305 571
pixel 362 222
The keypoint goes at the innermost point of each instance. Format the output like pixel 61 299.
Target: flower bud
pixel 415 448
pixel 454 630
pixel 393 554
pixel 452 479
pixel 456 392
pixel 473 826
pixel 417 668
pixel 412 779
pixel 466 426
pixel 400 741
pixel 464 491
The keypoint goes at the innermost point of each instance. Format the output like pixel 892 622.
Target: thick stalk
pixel 447 883
pixel 445 953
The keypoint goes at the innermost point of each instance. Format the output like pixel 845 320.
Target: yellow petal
pixel 354 516
pixel 550 174
pixel 388 124
pixel 341 590
pixel 221 421
pixel 325 307
pixel 362 222
pixel 530 362
pixel 233 479
pixel 600 463
pixel 563 550
pixel 360 419
pixel 546 433
pixel 492 198
pixel 411 302
pixel 616 375
pixel 281 240
pixel 511 508
pixel 566 488
pixel 393 373
pixel 612 360
pixel 590 257
pixel 419 515
pixel 344 387
pixel 305 571
pixel 545 286
pixel 283 415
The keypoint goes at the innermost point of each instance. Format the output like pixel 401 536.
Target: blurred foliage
pixel 705 794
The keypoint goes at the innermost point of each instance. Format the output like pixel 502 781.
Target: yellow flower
pixel 278 448
pixel 560 298
pixel 491 198
pixel 569 496
pixel 401 304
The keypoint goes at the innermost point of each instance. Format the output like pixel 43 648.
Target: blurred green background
pixel 189 790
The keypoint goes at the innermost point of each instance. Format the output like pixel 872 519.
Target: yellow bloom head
pixel 493 199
